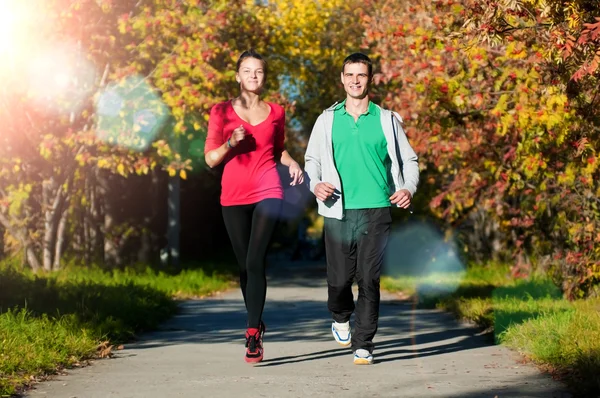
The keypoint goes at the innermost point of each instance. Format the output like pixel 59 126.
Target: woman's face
pixel 251 75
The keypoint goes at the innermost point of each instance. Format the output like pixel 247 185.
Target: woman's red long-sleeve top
pixel 249 172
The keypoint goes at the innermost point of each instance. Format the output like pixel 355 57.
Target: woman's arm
pixel 286 159
pixel 296 173
pixel 216 147
pixel 215 157
pixel 281 155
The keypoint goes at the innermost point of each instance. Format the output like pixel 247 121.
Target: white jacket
pixel 320 165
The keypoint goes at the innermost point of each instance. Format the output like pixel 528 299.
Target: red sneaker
pixel 254 349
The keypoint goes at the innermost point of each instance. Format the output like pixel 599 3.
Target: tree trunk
pixel 483 236
pixel 97 231
pixel 48 216
pixel 174 221
pixel 53 215
pixel 111 252
pixel 151 243
pixel 32 259
pixel 105 221
pixel 60 240
pixel 94 219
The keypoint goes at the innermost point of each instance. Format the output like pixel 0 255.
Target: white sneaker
pixel 341 333
pixel 362 357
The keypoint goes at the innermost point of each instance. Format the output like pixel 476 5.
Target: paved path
pixel 419 353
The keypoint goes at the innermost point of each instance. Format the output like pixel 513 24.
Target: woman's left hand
pixel 296 174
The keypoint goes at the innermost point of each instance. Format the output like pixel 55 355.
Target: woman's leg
pixel 238 222
pixel 264 220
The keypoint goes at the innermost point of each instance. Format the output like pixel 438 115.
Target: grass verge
pixel 49 322
pixel 529 316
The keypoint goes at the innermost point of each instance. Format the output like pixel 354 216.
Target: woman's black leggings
pixel 250 228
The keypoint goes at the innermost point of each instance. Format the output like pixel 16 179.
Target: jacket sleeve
pixel 408 157
pixel 313 155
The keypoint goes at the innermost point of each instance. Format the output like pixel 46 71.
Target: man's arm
pixel 312 157
pixel 410 161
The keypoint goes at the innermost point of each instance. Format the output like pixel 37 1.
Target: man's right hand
pixel 324 191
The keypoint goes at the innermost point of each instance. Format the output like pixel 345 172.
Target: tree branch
pixel 516 28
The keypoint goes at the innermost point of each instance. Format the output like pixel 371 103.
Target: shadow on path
pixel 418 353
pixel 397 349
pixel 296 311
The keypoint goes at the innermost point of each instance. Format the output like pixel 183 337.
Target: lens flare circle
pixel 109 104
pixel 130 114
pixel 420 252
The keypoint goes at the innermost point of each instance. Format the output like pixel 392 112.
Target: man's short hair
pixel 358 58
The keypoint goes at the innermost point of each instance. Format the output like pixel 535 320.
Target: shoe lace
pixel 253 342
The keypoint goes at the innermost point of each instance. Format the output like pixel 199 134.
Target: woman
pixel 247 135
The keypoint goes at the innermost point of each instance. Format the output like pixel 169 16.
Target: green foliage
pixel 54 321
pixel 147 74
pixel 507 148
pixel 189 49
pixel 566 33
pixel 500 99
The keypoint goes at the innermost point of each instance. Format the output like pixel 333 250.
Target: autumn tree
pixel 507 157
pixel 569 34
pixel 54 145
pixel 188 50
pixel 134 84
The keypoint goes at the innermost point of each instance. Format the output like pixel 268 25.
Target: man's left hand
pixel 296 174
pixel 402 198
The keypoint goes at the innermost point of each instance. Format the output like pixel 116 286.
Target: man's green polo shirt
pixel 361 158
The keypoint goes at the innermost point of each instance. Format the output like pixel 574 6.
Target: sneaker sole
pixel 362 361
pixel 253 360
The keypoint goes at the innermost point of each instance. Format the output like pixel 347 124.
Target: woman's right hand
pixel 236 136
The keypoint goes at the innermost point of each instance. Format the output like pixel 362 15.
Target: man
pixel 359 163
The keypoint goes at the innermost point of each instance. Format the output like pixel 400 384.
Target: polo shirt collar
pixel 372 109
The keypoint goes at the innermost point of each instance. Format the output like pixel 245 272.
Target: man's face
pixel 356 79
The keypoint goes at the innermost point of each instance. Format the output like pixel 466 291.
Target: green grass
pixel 529 316
pixel 187 283
pixel 33 346
pixel 565 340
pixel 55 321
